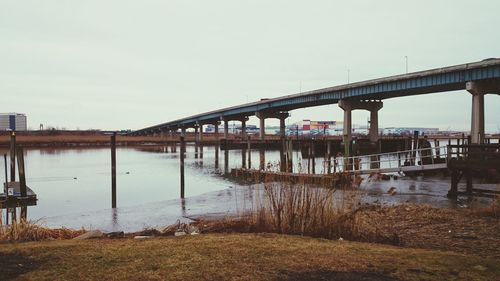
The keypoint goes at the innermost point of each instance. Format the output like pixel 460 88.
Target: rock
pixel 480 268
pixel 193 230
pixel 341 239
pixel 141 237
pixel 89 235
pixel 116 234
pixel 179 233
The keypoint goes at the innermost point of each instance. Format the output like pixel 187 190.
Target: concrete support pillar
pixel 346 106
pixel 216 128
pixel 282 128
pixel 477 116
pixel 183 132
pixel 262 127
pixel 374 133
pixel 279 115
pixel 372 105
pixel 200 137
pixel 243 129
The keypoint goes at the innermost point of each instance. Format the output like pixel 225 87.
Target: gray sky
pixel 130 64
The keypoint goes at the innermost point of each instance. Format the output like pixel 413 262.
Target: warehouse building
pixel 13 122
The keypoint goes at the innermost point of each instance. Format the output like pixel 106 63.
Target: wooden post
pixel 226 160
pixel 415 147
pixel 249 148
pixel 24 213
pixel 290 156
pixel 6 187
pixel 468 178
pixel 452 193
pixel 182 152
pixel 13 157
pixel 329 156
pixel 262 154
pixel 313 157
pixel 282 154
pixel 309 152
pixel 113 171
pixel 22 175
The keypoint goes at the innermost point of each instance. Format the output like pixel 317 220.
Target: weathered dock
pixel 15 198
pixel 335 180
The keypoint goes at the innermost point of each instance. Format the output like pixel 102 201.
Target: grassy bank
pixel 235 257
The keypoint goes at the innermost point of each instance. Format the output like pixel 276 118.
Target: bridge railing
pixel 391 160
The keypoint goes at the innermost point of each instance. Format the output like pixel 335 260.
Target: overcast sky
pixel 130 64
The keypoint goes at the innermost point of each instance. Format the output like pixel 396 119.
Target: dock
pixel 15 199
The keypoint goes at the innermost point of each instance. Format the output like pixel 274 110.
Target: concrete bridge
pixel 479 78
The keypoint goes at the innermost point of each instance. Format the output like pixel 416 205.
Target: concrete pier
pixel 478 90
pixel 373 106
pixel 281 115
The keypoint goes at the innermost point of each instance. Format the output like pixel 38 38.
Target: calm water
pixel 73 187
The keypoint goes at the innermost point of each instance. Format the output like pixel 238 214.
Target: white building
pixel 13 122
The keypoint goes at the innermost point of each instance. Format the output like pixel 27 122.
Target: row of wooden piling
pixel 16 152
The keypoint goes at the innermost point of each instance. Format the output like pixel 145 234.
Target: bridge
pixel 479 78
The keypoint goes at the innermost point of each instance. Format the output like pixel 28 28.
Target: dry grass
pixel 235 257
pixel 302 209
pixel 30 231
pixel 493 210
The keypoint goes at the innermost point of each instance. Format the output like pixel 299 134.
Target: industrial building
pixel 13 122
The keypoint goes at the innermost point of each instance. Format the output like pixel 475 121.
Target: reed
pixel 24 231
pixel 298 208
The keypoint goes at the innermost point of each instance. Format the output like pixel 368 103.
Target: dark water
pixel 73 187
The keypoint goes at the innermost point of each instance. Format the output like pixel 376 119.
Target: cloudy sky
pixel 130 64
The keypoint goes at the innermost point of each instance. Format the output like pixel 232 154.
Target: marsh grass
pixel 23 231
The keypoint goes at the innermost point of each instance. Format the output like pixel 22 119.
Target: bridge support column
pixel 278 115
pixel 349 105
pixel 262 127
pixel 243 129
pixel 347 133
pixel 282 128
pixel 478 90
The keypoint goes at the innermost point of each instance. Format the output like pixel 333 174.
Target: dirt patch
pixel 426 227
pixel 324 275
pixel 14 264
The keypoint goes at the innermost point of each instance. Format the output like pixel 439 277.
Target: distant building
pixel 407 131
pixel 13 122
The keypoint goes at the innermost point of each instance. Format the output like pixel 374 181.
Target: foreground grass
pixel 235 257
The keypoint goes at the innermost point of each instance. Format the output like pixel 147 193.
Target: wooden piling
pixel 282 154
pixel 243 158
pixel 290 156
pixel 313 157
pixel 329 156
pixel 262 156
pixel 6 188
pixel 13 157
pixel 249 148
pixel 181 157
pixel 226 161
pixel 468 179
pixel 216 152
pixel 22 174
pixel 113 171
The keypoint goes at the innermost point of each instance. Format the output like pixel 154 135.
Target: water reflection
pixel 73 186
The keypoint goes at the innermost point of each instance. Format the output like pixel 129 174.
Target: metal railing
pixel 390 160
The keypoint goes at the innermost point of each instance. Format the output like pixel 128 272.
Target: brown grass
pixel 235 257
pixel 30 231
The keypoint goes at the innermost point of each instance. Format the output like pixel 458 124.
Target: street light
pixel 406 60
